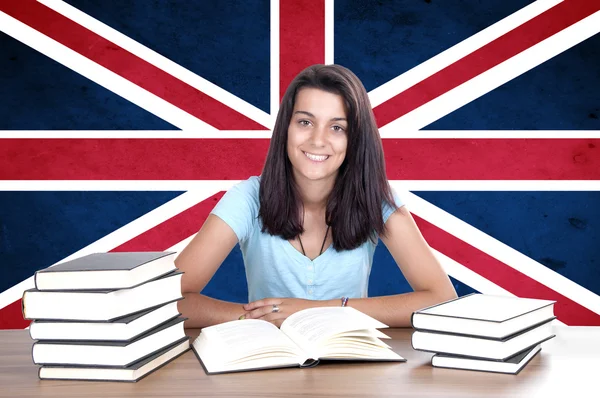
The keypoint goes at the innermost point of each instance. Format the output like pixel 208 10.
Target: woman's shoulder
pixel 249 188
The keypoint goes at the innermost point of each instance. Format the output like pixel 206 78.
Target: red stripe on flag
pixel 236 159
pixel 127 65
pixel 301 38
pixel 521 285
pixel 497 51
pixel 174 230
pixel 11 317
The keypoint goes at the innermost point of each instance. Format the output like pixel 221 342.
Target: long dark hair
pixel 354 207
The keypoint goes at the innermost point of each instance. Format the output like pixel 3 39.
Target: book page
pixel 312 327
pixel 249 337
pixel 246 344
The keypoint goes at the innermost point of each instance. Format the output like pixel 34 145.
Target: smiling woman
pixel 309 225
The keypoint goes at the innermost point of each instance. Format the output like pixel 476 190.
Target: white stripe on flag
pixel 217 185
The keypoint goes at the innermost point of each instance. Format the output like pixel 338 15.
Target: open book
pixel 331 333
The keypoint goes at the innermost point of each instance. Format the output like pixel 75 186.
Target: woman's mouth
pixel 316 158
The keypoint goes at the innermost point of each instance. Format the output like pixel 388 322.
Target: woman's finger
pixel 261 303
pixel 261 312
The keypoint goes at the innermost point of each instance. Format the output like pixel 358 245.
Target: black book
pixel 484 315
pixel 121 329
pixel 480 347
pixel 512 365
pixel 108 353
pixel 105 271
pixel 100 305
pixel 132 373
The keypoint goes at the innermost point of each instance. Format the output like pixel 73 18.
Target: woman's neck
pixel 314 193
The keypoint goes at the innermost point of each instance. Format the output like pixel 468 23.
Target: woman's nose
pixel 319 136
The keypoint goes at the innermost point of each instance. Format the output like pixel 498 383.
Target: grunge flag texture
pixel 123 122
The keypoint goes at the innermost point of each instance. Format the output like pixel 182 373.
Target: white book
pixel 512 365
pixel 132 373
pixel 108 353
pixel 305 338
pixel 100 271
pixel 479 347
pixel 484 315
pixel 121 329
pixel 100 305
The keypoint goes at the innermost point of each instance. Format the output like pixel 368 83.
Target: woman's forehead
pixel 320 103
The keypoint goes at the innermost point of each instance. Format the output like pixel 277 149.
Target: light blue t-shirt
pixel 274 268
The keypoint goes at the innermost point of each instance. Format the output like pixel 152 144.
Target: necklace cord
pixel 322 245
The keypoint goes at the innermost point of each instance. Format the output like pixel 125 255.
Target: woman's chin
pixel 316 176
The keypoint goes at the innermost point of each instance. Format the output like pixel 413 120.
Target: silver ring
pixel 275 308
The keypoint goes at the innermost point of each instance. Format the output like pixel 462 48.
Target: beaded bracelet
pixel 344 301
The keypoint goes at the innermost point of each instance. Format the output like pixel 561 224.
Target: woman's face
pixel 317 135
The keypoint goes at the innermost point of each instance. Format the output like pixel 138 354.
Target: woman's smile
pixel 316 158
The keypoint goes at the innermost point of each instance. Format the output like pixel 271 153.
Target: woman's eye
pixel 338 128
pixel 304 122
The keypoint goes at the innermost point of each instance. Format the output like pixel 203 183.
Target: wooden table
pixel 568 365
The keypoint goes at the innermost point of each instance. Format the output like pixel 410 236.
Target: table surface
pixel 567 364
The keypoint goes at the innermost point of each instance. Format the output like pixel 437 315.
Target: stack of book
pixel 483 332
pixel 106 316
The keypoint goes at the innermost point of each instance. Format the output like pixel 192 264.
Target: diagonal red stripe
pixel 567 310
pixel 11 317
pixel 127 65
pixel 301 38
pixel 497 51
pixel 236 159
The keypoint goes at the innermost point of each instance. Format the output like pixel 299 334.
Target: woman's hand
pixel 276 310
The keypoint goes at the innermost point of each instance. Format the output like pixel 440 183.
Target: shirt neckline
pixel 298 254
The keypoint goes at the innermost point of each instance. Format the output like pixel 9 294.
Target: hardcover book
pixel 479 347
pixel 132 373
pixel 484 315
pixel 305 338
pixel 108 353
pixel 100 305
pixel 121 329
pixel 105 271
pixel 512 365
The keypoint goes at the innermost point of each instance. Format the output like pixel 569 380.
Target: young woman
pixel 308 226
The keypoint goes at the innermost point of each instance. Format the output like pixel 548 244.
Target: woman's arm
pixel 417 262
pixel 419 266
pixel 199 261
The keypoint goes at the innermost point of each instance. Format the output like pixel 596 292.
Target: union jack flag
pixel 123 123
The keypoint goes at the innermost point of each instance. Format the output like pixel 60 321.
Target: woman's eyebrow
pixel 333 119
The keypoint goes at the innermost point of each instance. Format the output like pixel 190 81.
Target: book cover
pixel 102 271
pixel 512 365
pixel 484 315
